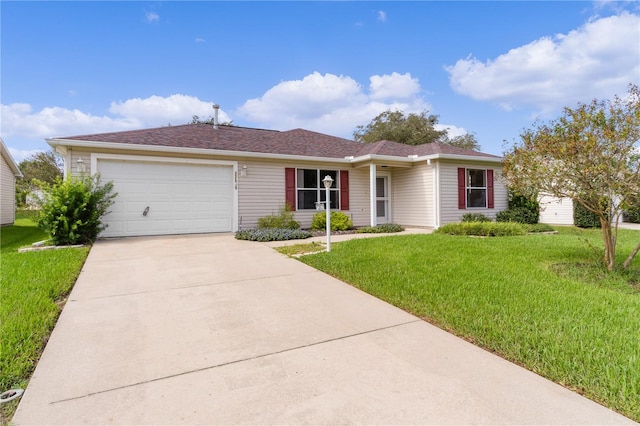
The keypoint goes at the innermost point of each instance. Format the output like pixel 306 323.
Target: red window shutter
pixel 290 187
pixel 344 190
pixel 462 188
pixel 490 189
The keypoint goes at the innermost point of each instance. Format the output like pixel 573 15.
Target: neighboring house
pixel 556 211
pixel 9 173
pixel 200 178
pixel 559 211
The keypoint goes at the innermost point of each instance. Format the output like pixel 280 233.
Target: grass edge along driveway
pixel 532 300
pixel 33 288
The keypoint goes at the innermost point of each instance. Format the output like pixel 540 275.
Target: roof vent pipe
pixel 216 107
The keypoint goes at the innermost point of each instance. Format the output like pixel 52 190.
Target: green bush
pixel 521 209
pixel 72 209
pixel 283 220
pixel 273 234
pixel 380 229
pixel 632 215
pixel 583 218
pixel 475 217
pixel 518 214
pixel 339 221
pixel 484 229
pixel 539 227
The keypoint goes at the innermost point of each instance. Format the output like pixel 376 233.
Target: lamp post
pixel 328 181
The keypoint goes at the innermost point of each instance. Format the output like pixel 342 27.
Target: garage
pixel 159 198
pixel 556 211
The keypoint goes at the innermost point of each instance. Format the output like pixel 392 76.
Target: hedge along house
pixel 200 178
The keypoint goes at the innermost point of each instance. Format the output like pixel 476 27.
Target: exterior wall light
pixel 81 167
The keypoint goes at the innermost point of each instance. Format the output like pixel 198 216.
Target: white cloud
pixel 452 131
pixel 332 104
pixel 382 16
pixel 398 86
pixel 20 120
pixel 199 40
pixel 151 16
pixel 597 60
pixel 22 154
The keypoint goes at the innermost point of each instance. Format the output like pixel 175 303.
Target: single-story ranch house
pixel 200 178
pixel 9 171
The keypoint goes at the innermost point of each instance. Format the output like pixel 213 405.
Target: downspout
pixel 436 194
pixel 372 192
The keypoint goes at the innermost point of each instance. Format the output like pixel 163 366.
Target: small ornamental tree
pixel 39 167
pixel 589 154
pixel 72 209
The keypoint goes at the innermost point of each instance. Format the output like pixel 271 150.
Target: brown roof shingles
pixel 292 142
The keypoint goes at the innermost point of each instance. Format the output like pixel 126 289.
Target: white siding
pixel 86 160
pixel 449 211
pixel 412 196
pixel 7 194
pixel 556 211
pixel 262 192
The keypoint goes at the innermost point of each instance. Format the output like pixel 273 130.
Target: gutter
pixel 60 143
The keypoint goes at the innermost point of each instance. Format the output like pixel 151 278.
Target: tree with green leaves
pixel 195 119
pixel 466 141
pixel 39 167
pixel 411 129
pixel 589 154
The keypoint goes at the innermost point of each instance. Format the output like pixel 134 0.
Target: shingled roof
pixel 242 139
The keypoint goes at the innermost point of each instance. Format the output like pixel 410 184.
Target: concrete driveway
pixel 209 330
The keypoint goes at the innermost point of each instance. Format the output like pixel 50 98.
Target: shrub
pixel 583 218
pixel 380 229
pixel 521 209
pixel 72 209
pixel 475 217
pixel 632 215
pixel 485 229
pixel 539 227
pixel 283 220
pixel 272 234
pixel 519 215
pixel 339 221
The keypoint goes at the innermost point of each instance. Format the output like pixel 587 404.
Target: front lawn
pixel 33 287
pixel 531 299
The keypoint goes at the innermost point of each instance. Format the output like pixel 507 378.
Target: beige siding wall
pixel 448 187
pixel 359 196
pixel 86 159
pixel 7 194
pixel 262 192
pixel 412 196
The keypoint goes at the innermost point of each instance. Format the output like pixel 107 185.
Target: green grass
pixel 527 298
pixel 33 285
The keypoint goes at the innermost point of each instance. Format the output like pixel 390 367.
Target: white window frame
pixel 320 189
pixel 468 188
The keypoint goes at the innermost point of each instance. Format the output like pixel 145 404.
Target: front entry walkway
pixel 210 330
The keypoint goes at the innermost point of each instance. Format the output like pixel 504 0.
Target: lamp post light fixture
pixel 328 181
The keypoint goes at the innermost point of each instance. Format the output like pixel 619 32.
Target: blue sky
pixel 492 68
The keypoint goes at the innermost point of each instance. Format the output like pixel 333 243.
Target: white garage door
pixel 156 198
pixel 556 211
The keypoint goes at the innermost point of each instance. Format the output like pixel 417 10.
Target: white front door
pixel 382 200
